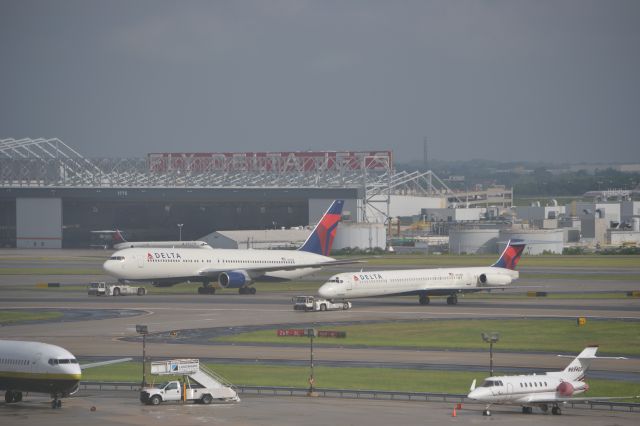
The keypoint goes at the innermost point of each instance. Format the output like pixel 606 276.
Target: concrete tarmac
pixel 102 335
pixel 123 408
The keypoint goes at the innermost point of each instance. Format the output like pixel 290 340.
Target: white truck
pixel 311 303
pixel 116 289
pixel 198 384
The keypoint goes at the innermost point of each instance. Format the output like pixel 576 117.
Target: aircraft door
pixel 348 285
pixel 509 390
pixel 140 260
pixel 36 363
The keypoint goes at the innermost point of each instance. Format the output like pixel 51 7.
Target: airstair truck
pixel 198 384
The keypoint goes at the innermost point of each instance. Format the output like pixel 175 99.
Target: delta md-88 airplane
pixel 426 282
pixel 229 268
pixel 40 368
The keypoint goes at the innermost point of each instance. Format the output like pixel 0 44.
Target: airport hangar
pixel 51 196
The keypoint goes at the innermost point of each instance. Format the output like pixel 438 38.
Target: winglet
pixel 321 238
pixel 473 386
pixel 511 255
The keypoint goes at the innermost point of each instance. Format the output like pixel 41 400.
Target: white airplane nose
pixel 326 291
pixel 112 267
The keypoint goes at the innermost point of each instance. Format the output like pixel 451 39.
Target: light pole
pixel 143 330
pixel 311 332
pixel 491 339
pixel 180 225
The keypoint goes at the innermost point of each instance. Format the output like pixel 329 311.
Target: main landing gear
pixel 247 290
pixel 556 411
pixel 424 299
pixel 452 300
pixel 12 396
pixel 206 288
pixel 527 410
pixel 56 403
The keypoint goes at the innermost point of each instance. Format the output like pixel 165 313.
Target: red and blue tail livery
pixel 511 255
pixel 321 239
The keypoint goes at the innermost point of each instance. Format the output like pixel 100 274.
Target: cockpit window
pixel 491 383
pixel 335 280
pixel 116 258
pixel 62 361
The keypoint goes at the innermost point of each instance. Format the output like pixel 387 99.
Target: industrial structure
pixel 53 196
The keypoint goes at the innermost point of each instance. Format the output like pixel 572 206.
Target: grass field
pixel 11 316
pixel 344 378
pixel 558 336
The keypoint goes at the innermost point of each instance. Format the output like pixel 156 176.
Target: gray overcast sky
pixel 507 80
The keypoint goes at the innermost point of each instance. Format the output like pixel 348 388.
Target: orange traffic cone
pixel 454 412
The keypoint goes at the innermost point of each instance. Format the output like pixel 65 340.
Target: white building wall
pixel 473 241
pixel 453 215
pixel 360 235
pixel 39 222
pixel 618 238
pixel 537 240
pixel 406 205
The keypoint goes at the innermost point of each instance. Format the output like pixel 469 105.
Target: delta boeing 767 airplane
pixel 230 268
pixel 426 282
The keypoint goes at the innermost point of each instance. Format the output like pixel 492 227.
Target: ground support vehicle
pixel 311 303
pixel 198 384
pixel 106 289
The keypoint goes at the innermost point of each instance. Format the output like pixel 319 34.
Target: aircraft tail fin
pixel 580 364
pixel 118 238
pixel 511 255
pixel 321 238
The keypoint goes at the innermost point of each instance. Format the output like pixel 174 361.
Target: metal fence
pixel 366 394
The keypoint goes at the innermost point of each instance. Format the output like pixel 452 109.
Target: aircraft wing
pixel 261 270
pixel 545 399
pixel 103 363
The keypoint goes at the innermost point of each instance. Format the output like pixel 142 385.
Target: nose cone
pixel 109 267
pixel 327 291
pixel 477 394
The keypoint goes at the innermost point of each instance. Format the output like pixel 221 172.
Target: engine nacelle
pixel 234 279
pixel 570 388
pixel 494 279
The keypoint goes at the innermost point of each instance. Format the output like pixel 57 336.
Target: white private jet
pixel 40 368
pixel 540 390
pixel 233 268
pixel 426 282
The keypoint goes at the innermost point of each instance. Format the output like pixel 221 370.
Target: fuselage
pixel 38 367
pixel 527 389
pixel 440 281
pixel 153 264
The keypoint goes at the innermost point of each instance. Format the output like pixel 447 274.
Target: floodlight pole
pixel 491 339
pixel 143 330
pixel 311 332
pixel 180 225
pixel 491 358
pixel 144 360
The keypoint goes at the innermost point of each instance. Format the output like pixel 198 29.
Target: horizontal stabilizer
pixel 103 363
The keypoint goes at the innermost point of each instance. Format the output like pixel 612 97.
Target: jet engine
pixel 234 279
pixel 569 388
pixel 494 279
